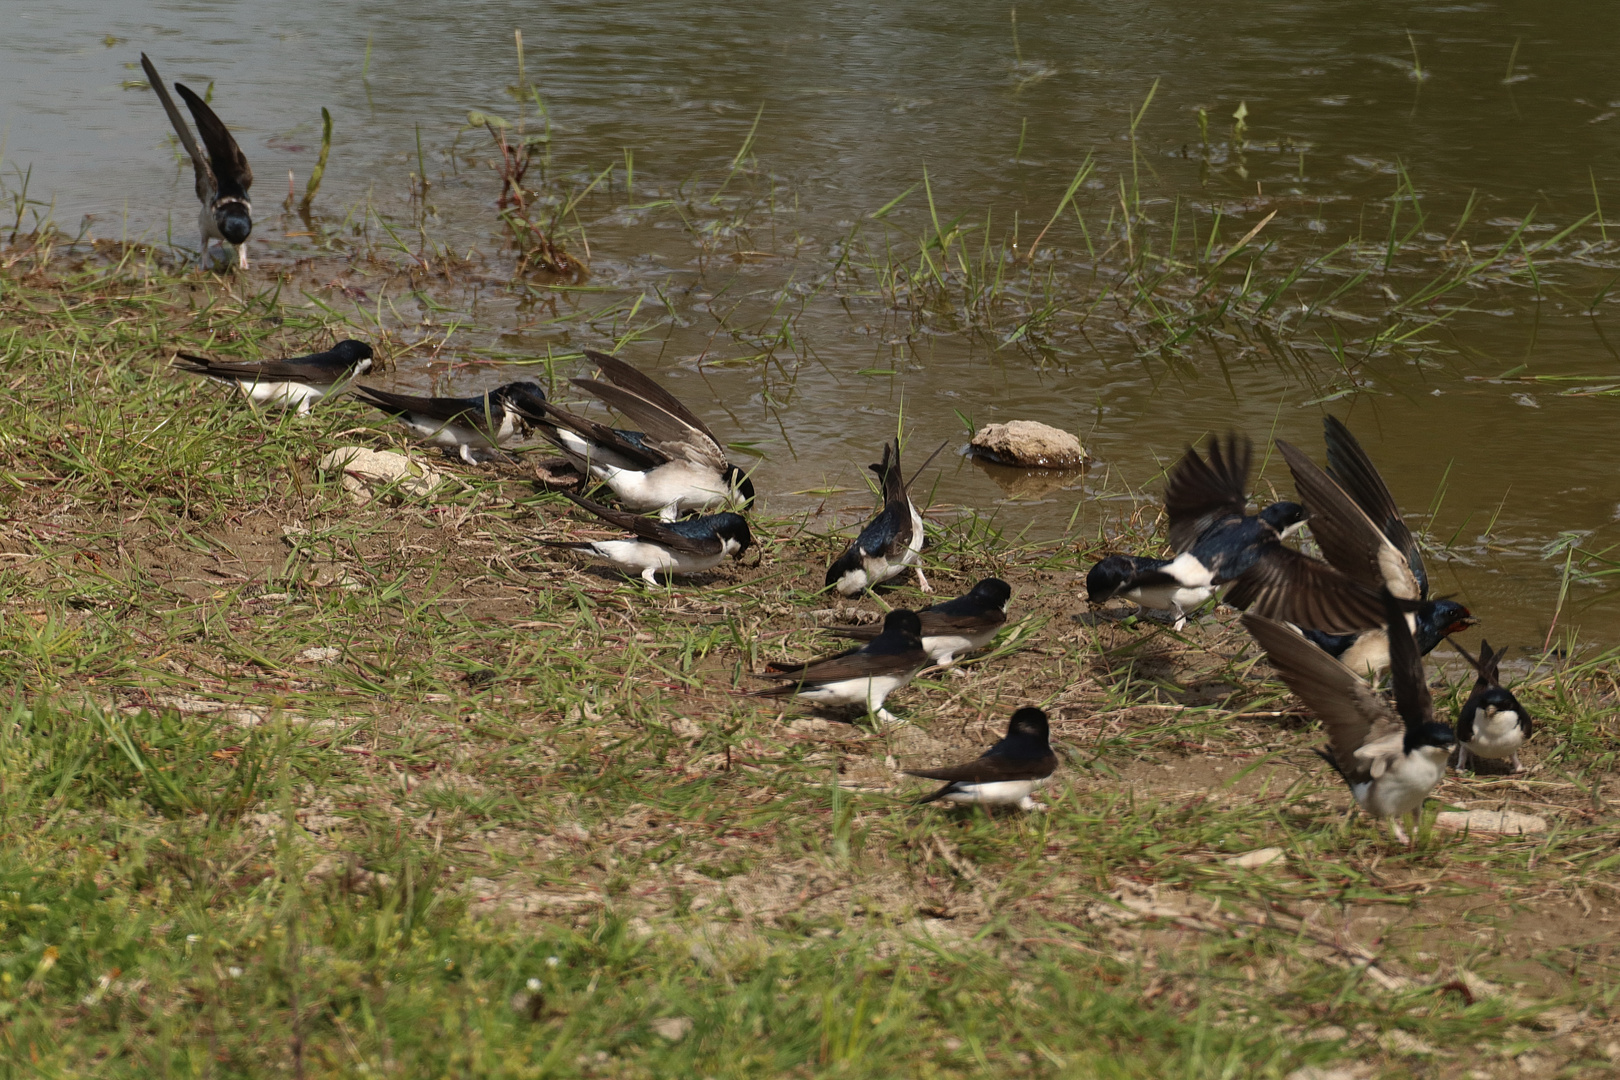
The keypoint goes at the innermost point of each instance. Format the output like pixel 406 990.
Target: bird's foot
pixel 956 672
pixel 922 581
pixel 1518 766
pixel 241 256
pixel 886 716
pixel 1028 804
pixel 1400 833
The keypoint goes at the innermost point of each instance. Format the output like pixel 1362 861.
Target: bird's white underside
pixel 672 489
pixel 995 793
pixel 649 559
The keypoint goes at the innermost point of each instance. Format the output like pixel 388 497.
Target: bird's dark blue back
pixel 1232 545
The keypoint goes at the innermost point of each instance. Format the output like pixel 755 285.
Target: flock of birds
pixel 1330 626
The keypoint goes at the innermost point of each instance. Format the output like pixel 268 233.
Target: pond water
pixel 1414 170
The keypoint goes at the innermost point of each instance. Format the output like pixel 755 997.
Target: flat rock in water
pixel 1490 821
pixel 363 469
pixel 1029 445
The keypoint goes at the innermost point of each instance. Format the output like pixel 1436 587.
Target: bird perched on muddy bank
pixel 863 676
pixel 952 628
pixel 1356 523
pixel 1007 774
pixel 222 178
pixel 1389 758
pixel 1493 724
pixel 671 548
pixel 890 542
pixel 674 465
pixel 295 382
pixel 470 426
pixel 1218 543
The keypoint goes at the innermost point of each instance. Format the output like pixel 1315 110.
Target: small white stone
pixel 673 1028
pixel 1508 822
pixel 1251 860
pixel 534 986
pixel 320 654
pixel 363 469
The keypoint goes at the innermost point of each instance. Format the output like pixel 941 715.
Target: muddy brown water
pixel 1512 107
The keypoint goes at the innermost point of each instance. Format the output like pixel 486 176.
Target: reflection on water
pixel 767 308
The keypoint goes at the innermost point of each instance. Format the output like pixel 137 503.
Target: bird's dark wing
pixel 889 532
pixel 477 412
pixel 1412 698
pixel 859 664
pixel 205 175
pixel 1198 493
pixel 1290 587
pixel 264 370
pixel 1482 681
pixel 621 374
pixel 991 768
pixel 231 171
pixel 648 457
pixel 1349 464
pixel 890 476
pixel 1353 714
pixel 650 528
pixel 1349 539
pixel 668 433
pixel 793 670
pixel 935 621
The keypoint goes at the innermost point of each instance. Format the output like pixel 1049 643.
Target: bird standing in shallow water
pixel 1007 774
pixel 1390 759
pixel 223 178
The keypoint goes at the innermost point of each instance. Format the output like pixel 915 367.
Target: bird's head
pixel 526 398
pixel 733 527
pixel 1029 722
pixel 235 220
pixel 1286 517
pixel 992 592
pixel 1105 579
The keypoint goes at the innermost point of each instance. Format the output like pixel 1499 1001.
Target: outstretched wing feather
pixel 1290 587
pixel 1200 492
pixel 205 175
pixel 1350 540
pixel 231 170
pixel 666 432
pixel 1352 713
pixel 1349 464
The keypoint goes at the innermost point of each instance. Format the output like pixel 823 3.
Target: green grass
pixel 524 825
